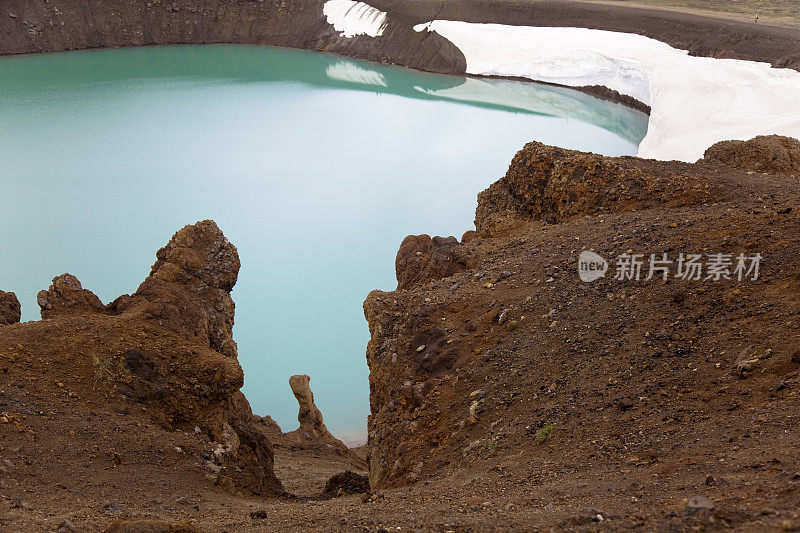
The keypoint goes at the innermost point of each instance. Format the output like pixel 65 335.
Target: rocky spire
pixel 169 346
pixel 310 417
pixel 190 284
pixel 312 428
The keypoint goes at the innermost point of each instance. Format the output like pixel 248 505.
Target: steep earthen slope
pixel 659 389
pixel 164 354
pixel 57 25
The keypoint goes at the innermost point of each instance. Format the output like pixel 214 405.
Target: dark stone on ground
pixel 349 482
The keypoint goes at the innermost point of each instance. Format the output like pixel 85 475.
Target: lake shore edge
pixel 41 27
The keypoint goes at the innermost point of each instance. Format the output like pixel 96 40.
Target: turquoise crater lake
pixel 314 166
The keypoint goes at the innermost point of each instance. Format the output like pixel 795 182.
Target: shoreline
pixel 598 91
pixel 398 43
pixel 695 101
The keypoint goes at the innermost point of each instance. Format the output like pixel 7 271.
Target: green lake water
pixel 314 166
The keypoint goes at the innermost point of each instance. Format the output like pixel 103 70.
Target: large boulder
pixel 766 153
pixel 10 310
pixel 421 259
pixel 348 482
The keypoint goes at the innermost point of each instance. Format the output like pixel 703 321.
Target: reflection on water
pixel 251 64
pixel 315 166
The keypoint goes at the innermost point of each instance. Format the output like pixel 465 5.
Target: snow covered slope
pixel 354 18
pixel 695 101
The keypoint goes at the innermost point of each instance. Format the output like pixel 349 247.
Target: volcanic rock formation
pixel 10 310
pixel 169 346
pixel 312 430
pixel 553 184
pixel 309 416
pixel 766 153
pixel 67 296
pixel 189 286
pixel 494 341
pixel 421 259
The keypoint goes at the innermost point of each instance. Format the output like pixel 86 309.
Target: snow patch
pixel 695 101
pixel 354 18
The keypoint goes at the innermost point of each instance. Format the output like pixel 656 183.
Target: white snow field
pixel 695 101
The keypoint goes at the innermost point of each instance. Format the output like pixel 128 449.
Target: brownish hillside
pixel 506 393
pixel 537 390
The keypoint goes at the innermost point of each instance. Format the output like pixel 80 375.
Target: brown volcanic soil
pixel 638 379
pixel 786 12
pixel 639 383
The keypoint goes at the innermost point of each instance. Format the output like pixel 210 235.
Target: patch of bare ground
pixel 768 11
